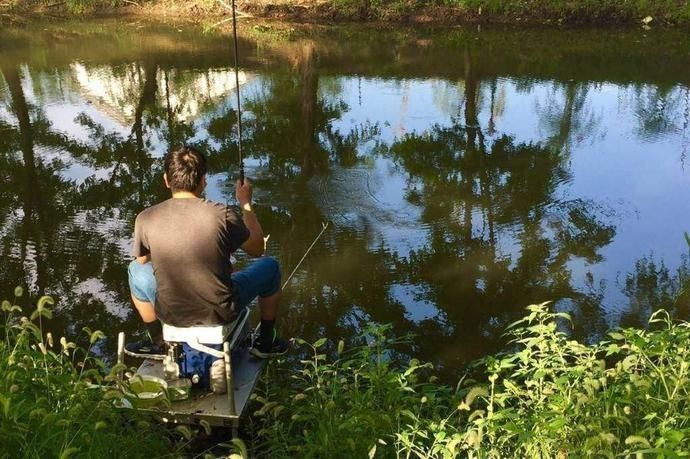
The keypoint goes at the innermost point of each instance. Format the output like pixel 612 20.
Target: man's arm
pixel 254 246
pixel 140 247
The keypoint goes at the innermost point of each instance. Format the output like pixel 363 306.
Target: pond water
pixel 465 173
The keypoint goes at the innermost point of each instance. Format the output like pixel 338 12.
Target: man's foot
pixel 145 350
pixel 267 350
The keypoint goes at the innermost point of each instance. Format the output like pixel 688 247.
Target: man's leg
pixel 142 286
pixel 268 306
pixel 262 278
pixel 145 309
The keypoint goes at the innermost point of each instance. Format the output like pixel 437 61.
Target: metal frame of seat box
pixel 217 409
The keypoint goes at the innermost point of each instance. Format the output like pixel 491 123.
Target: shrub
pixel 55 400
pixel 348 406
pixel 627 395
pixel 549 396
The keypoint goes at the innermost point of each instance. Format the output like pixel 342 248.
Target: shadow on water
pixel 466 174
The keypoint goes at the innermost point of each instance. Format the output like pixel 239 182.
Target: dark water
pixel 465 173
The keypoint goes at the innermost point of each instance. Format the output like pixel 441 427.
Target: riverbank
pixel 546 396
pixel 585 12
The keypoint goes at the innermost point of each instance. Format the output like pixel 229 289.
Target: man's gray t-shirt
pixel 190 242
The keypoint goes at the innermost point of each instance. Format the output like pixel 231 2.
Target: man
pixel 182 274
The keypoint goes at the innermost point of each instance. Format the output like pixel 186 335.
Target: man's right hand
pixel 255 245
pixel 243 192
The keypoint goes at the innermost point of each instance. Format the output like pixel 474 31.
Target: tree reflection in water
pixel 477 194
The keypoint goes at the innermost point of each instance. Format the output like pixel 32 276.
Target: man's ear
pixel 165 179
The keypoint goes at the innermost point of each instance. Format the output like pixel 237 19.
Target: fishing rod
pixel 239 143
pixel 237 93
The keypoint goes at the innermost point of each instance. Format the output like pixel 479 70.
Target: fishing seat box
pixel 201 346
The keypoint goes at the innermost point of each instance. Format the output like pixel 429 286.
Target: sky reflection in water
pixel 460 189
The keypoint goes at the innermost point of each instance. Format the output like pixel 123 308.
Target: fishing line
pixel 323 229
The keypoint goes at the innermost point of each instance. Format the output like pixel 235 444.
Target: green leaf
pixel 660 452
pixel 629 362
pixel 556 424
pixel 541 307
pixel 95 336
pixel 320 343
pixel 372 451
pixel 637 440
pixel 408 414
pixel 477 391
pixel 612 349
pixel 43 309
pixel 184 431
pixel 616 335
pixel 69 452
pixel 5 403
pixel 675 436
pixel 19 291
pixel 660 315
pixel 241 448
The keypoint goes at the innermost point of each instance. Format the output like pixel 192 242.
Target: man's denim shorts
pixel 261 278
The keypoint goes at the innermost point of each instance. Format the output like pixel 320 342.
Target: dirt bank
pixel 592 12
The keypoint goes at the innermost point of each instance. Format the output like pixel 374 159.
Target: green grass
pixel 57 400
pixel 548 397
pixel 520 11
pixel 582 10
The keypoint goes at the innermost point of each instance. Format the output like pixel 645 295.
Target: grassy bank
pixel 548 397
pixel 603 12
pixel 55 401
pixel 666 12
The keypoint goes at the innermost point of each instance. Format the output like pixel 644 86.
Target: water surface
pixel 465 173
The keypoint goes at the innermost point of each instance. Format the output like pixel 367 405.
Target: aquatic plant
pixel 548 396
pixel 57 400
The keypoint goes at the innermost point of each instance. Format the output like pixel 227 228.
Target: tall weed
pixel 346 406
pixel 57 400
pixel 549 396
